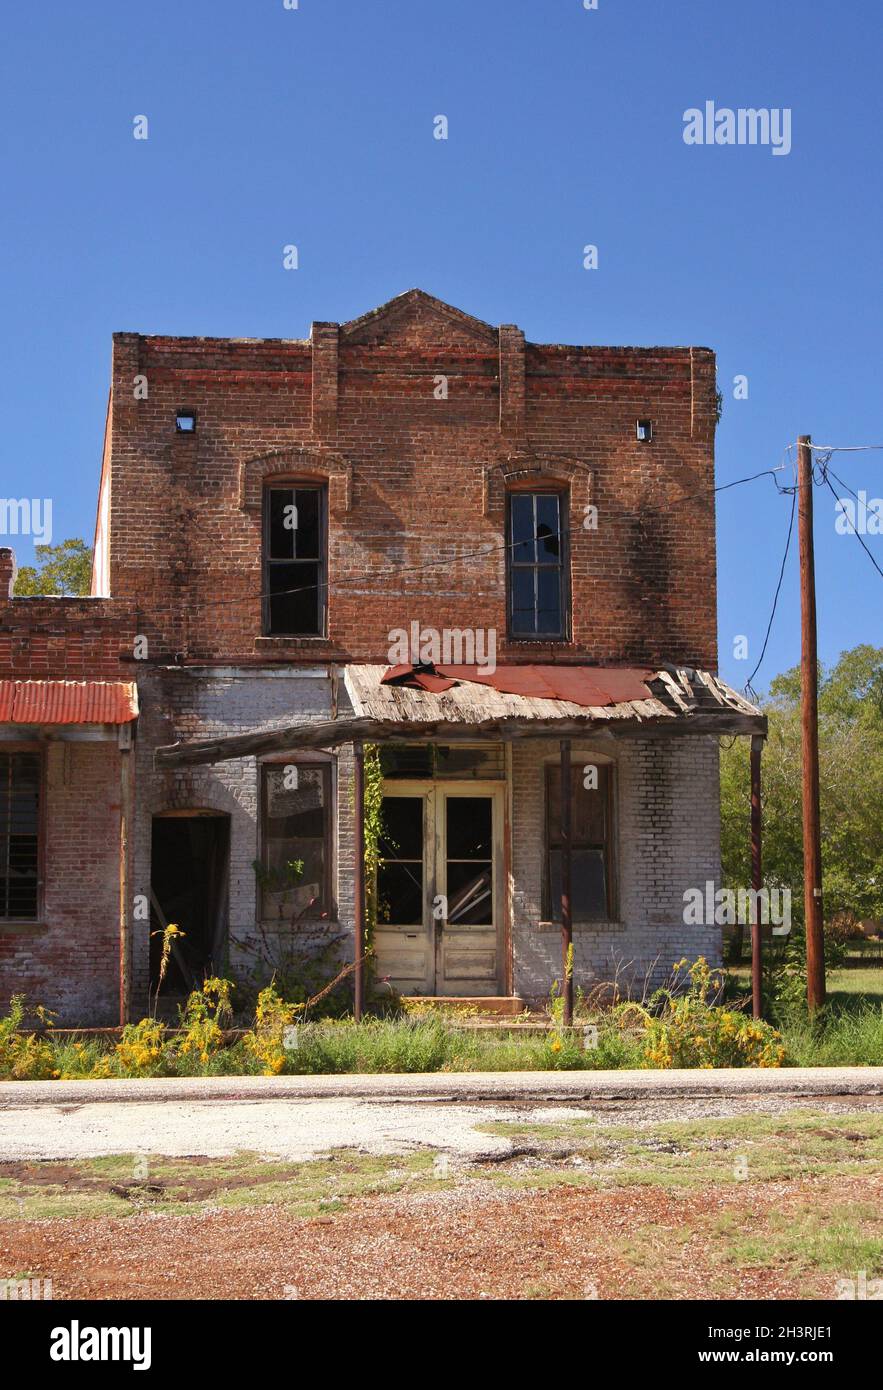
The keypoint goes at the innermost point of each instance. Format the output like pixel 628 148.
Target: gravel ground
pixel 453 1245
pixel 303 1129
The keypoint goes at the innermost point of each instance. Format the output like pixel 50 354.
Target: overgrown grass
pixel 123 1185
pixel 843 1037
pixel 426 1045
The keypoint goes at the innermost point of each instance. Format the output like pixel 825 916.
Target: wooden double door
pixel 440 888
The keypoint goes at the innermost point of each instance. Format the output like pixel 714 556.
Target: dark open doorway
pixel 188 886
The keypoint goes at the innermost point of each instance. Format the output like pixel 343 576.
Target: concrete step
pixel 502 1005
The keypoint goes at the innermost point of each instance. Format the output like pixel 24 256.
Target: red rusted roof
pixel 580 685
pixel 68 702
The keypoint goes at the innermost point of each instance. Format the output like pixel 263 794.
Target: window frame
pixel 562 495
pixel 327 766
pixel 21 923
pixel 553 769
pixel 294 485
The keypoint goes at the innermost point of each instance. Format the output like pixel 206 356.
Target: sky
pixel 313 126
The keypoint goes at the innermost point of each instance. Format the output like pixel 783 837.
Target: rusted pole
pixel 359 908
pixel 566 876
pixel 809 709
pixel 756 877
pixel 125 894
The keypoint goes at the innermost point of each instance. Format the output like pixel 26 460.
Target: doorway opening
pixel 188 886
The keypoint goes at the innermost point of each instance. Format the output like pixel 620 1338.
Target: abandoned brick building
pixel 532 524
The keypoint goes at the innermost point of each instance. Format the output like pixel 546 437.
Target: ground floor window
pixel 19 835
pixel 295 866
pixel 591 866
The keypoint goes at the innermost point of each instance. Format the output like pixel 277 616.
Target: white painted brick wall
pixel 667 817
pixel 188 706
pixel 667 839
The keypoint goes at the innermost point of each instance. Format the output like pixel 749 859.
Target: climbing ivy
pixel 373 832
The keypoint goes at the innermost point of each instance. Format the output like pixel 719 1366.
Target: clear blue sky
pixel 314 126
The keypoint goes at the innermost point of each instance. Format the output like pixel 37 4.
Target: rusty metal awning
pixel 68 702
pixel 580 685
pixel 384 705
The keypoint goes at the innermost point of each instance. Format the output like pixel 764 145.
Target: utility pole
pixel 756 878
pixel 566 884
pixel 809 713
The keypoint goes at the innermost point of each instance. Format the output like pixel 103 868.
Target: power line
pixel 369 575
pixel 748 688
pixel 853 530
pixel 844 448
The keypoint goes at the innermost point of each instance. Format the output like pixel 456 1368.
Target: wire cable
pixel 748 687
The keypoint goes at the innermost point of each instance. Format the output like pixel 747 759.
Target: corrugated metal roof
pixel 68 702
pixel 591 686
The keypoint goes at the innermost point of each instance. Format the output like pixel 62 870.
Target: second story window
pixel 295 561
pixel 537 566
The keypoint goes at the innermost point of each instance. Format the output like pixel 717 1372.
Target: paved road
pixel 298 1118
pixel 488 1085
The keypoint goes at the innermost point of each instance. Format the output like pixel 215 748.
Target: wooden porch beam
pixel 330 733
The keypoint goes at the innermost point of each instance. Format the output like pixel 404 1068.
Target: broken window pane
pixel 536 565
pixel 295 836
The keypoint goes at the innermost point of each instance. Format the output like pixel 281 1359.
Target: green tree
pixel 64 569
pixel 851 789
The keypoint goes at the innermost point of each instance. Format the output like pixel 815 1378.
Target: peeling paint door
pixel 439 889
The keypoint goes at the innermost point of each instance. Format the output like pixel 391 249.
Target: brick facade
pixel 417 419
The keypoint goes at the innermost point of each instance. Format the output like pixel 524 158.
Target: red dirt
pixel 456 1244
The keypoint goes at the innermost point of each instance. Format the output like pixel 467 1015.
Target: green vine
pixel 373 832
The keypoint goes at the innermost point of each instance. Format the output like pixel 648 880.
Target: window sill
pixel 517 643
pixel 601 925
pixel 280 639
pixel 23 928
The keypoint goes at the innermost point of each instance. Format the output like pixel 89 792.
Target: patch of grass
pixel 685 1155
pixel 120 1186
pixel 848 1239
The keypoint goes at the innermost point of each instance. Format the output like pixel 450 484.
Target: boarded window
pixel 591 889
pixel 537 565
pixel 19 831
pixel 295 568
pixel 295 872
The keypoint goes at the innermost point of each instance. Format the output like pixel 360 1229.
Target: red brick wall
pixel 413 481
pixel 70 961
pixel 65 639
